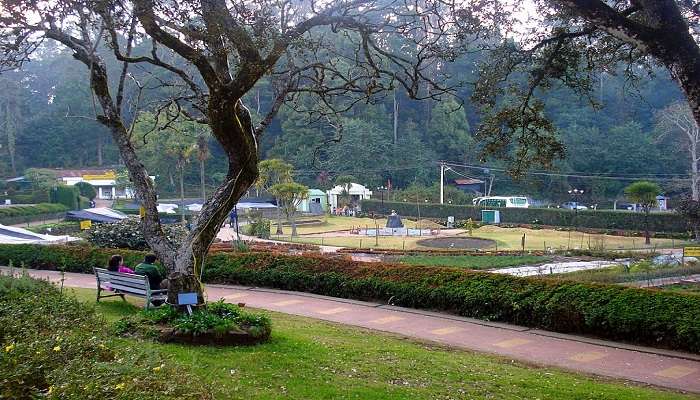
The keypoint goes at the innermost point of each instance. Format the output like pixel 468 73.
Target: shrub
pixel 34 209
pixel 66 195
pixel 126 234
pixel 86 190
pixel 64 258
pixel 636 315
pixel 258 225
pixel 601 219
pixel 56 347
pixel 614 312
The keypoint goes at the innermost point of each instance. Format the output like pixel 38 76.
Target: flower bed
pixel 216 323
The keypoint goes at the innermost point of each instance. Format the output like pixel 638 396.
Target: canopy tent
pixel 14 235
pixel 96 215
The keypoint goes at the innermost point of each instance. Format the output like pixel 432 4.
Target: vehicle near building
pixel 502 201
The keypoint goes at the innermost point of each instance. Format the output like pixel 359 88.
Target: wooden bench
pixel 121 284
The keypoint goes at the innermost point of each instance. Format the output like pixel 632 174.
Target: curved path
pixel 675 370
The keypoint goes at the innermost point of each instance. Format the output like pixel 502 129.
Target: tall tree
pixel 290 195
pixel 564 44
pixel 212 61
pixel 677 118
pixel 644 193
pixel 274 172
pixel 202 155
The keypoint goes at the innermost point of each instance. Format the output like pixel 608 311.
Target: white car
pixel 572 205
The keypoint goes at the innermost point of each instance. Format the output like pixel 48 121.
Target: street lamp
pixel 575 194
pixel 381 190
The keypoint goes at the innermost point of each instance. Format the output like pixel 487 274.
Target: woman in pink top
pixel 116 265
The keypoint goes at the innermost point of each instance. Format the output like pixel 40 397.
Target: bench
pixel 121 283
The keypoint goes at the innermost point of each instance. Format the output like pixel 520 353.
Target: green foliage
pixel 598 219
pixel 644 193
pixel 609 311
pixel 257 226
pixel 471 262
pixel 29 210
pixel 127 234
pixel 217 316
pixel 57 348
pixel 86 190
pixel 64 258
pixel 66 195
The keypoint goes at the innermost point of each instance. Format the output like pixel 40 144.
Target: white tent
pixel 14 235
pixel 167 208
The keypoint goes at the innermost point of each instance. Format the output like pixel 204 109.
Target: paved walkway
pixel 671 280
pixel 669 369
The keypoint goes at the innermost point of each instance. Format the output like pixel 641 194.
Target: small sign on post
pixel 187 300
pixel 142 211
pixel 691 251
pixel 85 224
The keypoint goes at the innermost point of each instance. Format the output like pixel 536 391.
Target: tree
pixel 566 43
pixel 86 190
pixel 689 208
pixel 290 195
pixel 345 181
pixel 274 172
pixel 208 65
pixel 644 193
pixel 677 117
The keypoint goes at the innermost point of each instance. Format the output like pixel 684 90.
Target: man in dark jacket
pixel 149 269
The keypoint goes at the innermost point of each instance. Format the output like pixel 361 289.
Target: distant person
pixel 149 269
pixel 116 264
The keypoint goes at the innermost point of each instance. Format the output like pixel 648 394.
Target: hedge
pixel 598 219
pixel 644 316
pixel 34 209
pixel 66 195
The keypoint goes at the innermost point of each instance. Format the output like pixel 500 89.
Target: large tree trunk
pixel 232 126
pixel 293 222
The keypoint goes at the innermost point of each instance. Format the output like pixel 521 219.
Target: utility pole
pixel 442 182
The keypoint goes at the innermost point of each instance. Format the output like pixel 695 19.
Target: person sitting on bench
pixel 116 264
pixel 149 269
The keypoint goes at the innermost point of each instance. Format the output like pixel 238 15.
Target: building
pixel 471 185
pixel 315 203
pixel 357 193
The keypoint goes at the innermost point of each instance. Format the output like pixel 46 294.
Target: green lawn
pixel 310 359
pixel 471 262
pixel 636 272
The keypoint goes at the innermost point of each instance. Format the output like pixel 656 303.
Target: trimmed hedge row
pixel 64 258
pixel 599 219
pixel 643 316
pixel 34 209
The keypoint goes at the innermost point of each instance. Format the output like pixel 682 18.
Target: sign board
pixel 85 224
pixel 142 211
pixel 185 299
pixel 693 251
pixel 109 175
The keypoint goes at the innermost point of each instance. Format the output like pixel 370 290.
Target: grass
pixel 310 359
pixel 683 288
pixel 471 262
pixel 636 272
pixel 506 238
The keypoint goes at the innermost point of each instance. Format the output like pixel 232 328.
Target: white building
pixel 357 193
pixel 103 180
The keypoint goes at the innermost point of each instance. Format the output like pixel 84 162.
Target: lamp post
pixel 575 194
pixel 381 190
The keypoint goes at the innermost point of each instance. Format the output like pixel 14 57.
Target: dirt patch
pixel 428 224
pixel 458 243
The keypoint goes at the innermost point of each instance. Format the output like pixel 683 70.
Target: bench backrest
pixel 128 283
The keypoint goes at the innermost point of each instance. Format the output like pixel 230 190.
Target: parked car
pixel 572 205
